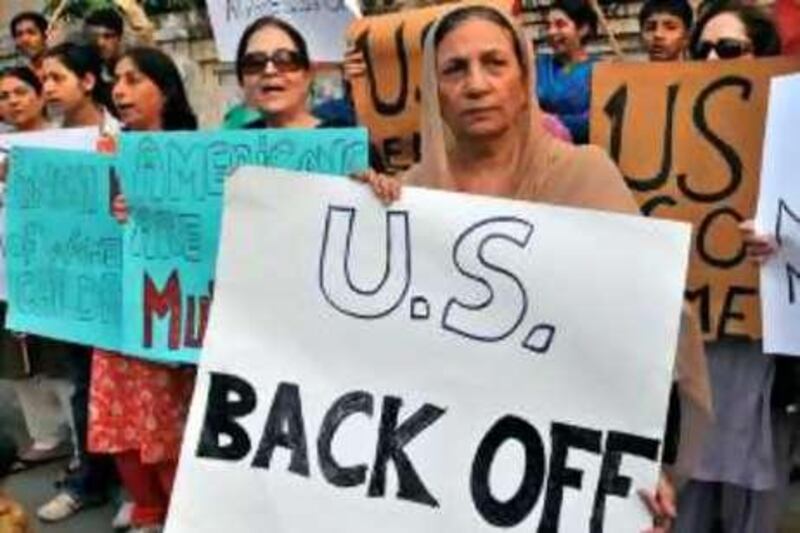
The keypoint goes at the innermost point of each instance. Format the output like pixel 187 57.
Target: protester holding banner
pixel 274 70
pixel 37 365
pixel 138 409
pixel 75 90
pixel 666 27
pixel 743 467
pixel 565 76
pixel 481 134
pixel 22 89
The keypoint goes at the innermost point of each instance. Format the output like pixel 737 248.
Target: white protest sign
pixel 322 23
pixel 67 139
pixel 453 363
pixel 779 216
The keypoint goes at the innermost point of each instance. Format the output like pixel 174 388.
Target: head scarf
pixel 551 171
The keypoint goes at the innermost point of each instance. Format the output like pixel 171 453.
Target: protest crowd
pixel 500 114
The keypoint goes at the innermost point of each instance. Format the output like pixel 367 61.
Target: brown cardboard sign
pixel 688 138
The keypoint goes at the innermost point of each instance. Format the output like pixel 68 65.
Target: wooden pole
pixel 612 37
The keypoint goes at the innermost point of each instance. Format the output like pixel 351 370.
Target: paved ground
pixel 35 487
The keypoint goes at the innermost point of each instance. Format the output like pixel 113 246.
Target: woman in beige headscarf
pixel 482 133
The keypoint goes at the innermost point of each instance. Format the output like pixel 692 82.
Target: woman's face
pixel 63 90
pixel 481 87
pixel 563 35
pixel 25 107
pixel 724 37
pixel 280 85
pixel 138 100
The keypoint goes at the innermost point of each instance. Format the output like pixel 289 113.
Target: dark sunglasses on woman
pixel 283 60
pixel 725 49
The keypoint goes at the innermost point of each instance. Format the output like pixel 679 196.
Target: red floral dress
pixel 138 405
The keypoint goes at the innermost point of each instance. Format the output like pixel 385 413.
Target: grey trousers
pixel 706 507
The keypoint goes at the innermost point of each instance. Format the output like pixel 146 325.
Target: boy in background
pixel 666 27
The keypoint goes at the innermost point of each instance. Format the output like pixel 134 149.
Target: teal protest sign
pixel 173 184
pixel 63 247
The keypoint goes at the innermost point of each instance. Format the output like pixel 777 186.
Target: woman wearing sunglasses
pixel 737 484
pixel 730 30
pixel 274 70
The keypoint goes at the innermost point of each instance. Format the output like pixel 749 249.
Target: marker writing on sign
pixel 787 231
pixel 188 314
pixel 723 217
pixel 231 398
pixel 474 316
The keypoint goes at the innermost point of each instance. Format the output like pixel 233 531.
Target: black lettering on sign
pixel 702 243
pixel 616 109
pixel 478 319
pixel 222 411
pixel 285 428
pixel 780 222
pixel 792 275
pixel 649 207
pixel 611 483
pixel 730 311
pixel 398 105
pixel 351 403
pixel 392 438
pixel 563 437
pixel 335 269
pixel 703 297
pixel 727 152
pixel 511 512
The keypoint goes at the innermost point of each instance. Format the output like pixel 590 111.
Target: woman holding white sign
pixel 482 134
pixel 744 465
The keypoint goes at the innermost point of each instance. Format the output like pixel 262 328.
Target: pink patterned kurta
pixel 138 405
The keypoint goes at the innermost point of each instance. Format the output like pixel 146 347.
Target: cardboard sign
pixel 387 98
pixel 64 248
pixel 779 216
pixel 173 185
pixel 322 23
pixel 68 139
pixel 446 364
pixel 688 138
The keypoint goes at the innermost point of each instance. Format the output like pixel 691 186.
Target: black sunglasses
pixel 282 59
pixel 725 49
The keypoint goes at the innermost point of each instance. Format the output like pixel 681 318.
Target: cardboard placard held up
pixel 387 97
pixel 688 138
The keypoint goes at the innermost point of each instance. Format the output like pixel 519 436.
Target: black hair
pixel 759 26
pixel 261 23
pixel 177 113
pixel 457 17
pixel 8 454
pixel 83 59
pixel 106 17
pixel 677 8
pixel 581 13
pixel 26 76
pixel 30 16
